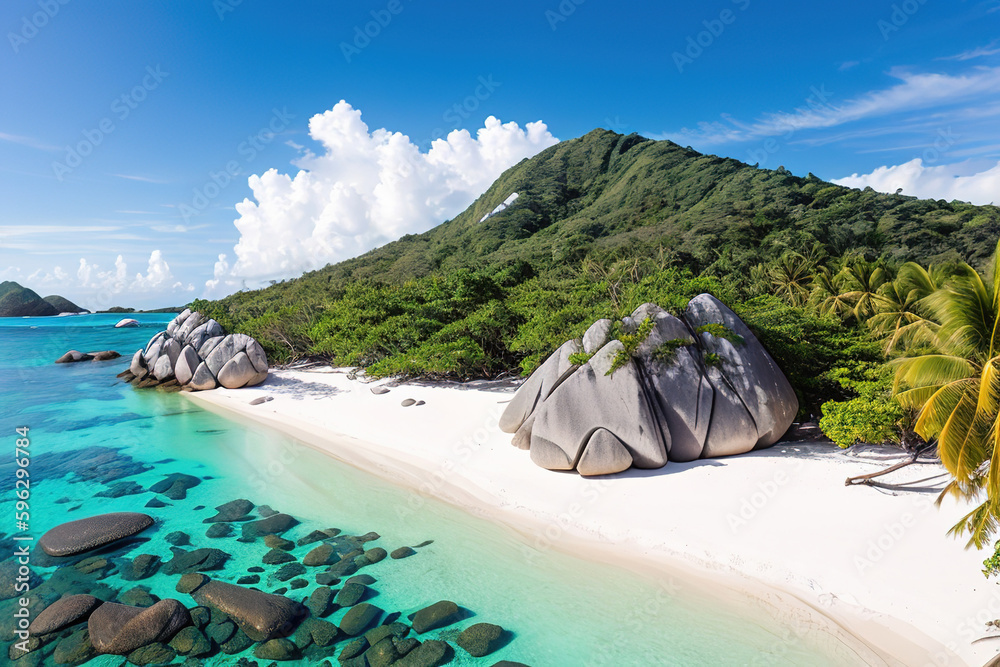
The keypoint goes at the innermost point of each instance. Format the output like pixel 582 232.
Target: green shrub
pixel 666 352
pixel 720 331
pixel 631 344
pixel 580 358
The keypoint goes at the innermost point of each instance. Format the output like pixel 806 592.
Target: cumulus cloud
pixel 96 288
pixel 964 181
pixel 365 189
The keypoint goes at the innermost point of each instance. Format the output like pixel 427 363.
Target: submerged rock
pixel 262 616
pixel 436 616
pixel 481 639
pixel 64 612
pixel 119 629
pixel 75 537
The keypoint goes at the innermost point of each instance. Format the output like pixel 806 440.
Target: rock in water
pixel 64 612
pixel 359 618
pixel 118 629
pixel 436 616
pixel 261 616
pixel 699 385
pixel 73 356
pixel 75 537
pixel 480 639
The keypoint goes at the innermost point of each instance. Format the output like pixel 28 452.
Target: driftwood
pixel 868 479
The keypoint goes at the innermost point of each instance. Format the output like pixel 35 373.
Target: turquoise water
pixel 558 609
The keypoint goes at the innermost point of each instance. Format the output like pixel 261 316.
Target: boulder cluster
pixel 655 388
pixel 194 353
pixel 78 613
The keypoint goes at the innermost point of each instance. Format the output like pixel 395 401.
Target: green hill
pixel 602 223
pixel 63 305
pixel 18 301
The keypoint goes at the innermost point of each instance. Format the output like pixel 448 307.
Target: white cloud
pixel 367 188
pixel 914 92
pixel 978 52
pixel 964 181
pixel 95 288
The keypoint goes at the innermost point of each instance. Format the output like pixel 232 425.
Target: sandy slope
pixel 871 570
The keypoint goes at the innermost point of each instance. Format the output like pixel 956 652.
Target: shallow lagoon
pixel 560 610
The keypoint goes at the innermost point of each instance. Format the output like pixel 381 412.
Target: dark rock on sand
pixel 327 579
pixel 481 639
pixel 139 596
pixel 219 530
pixel 276 649
pixel 289 570
pixel 436 616
pixel 353 649
pixel 152 654
pixel 276 542
pixel 429 654
pixel 407 402
pixel 260 615
pixel 365 579
pixel 375 555
pixel 97 566
pixel 199 560
pixel 272 525
pixel 177 538
pixel 382 653
pixel 238 643
pixel 200 617
pixel 266 511
pixel 234 510
pixel 156 503
pixel 319 601
pixel 256 569
pixel 402 552
pixel 175 486
pixel 142 566
pixel 75 537
pixel 119 629
pixel 222 631
pixel 189 583
pixel 248 579
pixel 315 631
pixel 9 583
pixel 316 536
pixel 277 557
pixel 75 649
pixel 351 594
pixel 64 612
pixel 191 641
pixel 296 584
pixel 359 618
pixel 119 489
pixel 324 554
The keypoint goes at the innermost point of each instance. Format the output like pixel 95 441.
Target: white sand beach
pixel 863 567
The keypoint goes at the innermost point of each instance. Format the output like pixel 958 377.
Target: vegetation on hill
pixel 856 294
pixel 17 301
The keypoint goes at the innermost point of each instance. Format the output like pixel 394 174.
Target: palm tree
pixel 859 282
pixel 791 277
pixel 902 318
pixel 826 295
pixel 956 387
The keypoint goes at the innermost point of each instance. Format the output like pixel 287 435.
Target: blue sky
pixel 130 133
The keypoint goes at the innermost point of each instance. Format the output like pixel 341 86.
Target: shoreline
pixel 780 531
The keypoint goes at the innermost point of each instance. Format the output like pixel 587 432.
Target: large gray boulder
pixel 119 629
pixel 75 537
pixel 699 385
pixel 262 616
pixel 187 363
pixel 593 398
pixel 64 612
pixel 195 351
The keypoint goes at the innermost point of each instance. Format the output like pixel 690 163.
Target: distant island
pixel 18 301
